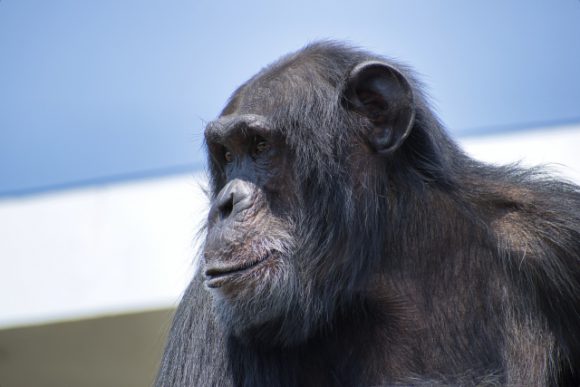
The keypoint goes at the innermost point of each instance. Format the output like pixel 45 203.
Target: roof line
pixel 190 168
pixel 481 131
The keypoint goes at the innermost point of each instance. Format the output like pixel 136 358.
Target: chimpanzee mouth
pixel 218 275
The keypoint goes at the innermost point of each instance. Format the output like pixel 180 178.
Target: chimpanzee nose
pixel 235 197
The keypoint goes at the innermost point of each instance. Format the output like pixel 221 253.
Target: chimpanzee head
pixel 304 160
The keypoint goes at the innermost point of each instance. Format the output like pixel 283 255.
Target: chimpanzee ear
pixel 383 95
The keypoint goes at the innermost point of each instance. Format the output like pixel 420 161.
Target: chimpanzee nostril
pixel 235 197
pixel 226 206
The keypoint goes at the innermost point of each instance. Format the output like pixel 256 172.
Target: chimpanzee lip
pixel 218 275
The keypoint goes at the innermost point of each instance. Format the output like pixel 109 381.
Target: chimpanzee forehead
pixel 270 94
pixel 263 100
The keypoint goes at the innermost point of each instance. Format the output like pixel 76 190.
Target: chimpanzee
pixel 350 242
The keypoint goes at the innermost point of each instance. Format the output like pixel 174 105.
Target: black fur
pixel 387 256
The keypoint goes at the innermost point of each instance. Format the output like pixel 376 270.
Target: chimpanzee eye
pixel 260 145
pixel 228 156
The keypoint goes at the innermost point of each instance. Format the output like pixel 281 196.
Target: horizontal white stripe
pixel 131 246
pixel 99 250
pixel 557 148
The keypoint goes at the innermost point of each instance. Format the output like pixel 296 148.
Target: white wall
pixel 128 247
pixel 557 148
pixel 98 250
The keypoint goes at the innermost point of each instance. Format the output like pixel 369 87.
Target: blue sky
pixel 98 91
